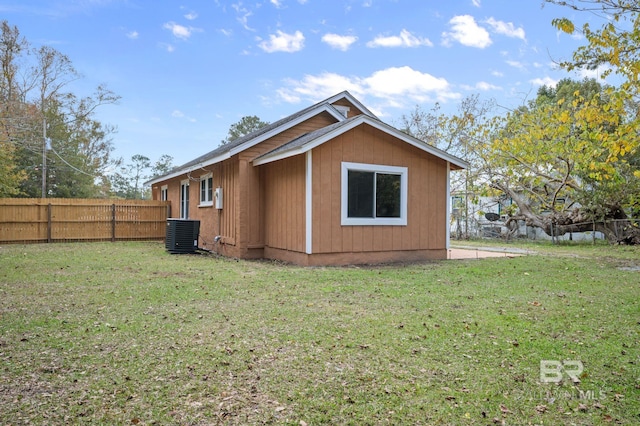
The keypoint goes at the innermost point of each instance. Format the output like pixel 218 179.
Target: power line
pixel 72 166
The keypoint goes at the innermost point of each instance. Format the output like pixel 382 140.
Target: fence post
pixel 49 223
pixel 113 223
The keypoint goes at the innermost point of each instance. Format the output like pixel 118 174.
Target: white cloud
pixel 191 16
pixel 545 81
pixel 596 73
pixel 405 82
pixel 476 3
pixel 339 42
pixel 243 16
pixel 405 39
pixel 133 35
pixel 467 32
pixel 392 87
pixel 283 42
pixel 497 73
pixel 484 86
pixel 288 96
pixel 179 114
pixel 168 47
pixel 179 31
pixel 276 3
pixel 506 28
pixel 320 86
pixel 516 64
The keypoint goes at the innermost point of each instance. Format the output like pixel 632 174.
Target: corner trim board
pixel 308 205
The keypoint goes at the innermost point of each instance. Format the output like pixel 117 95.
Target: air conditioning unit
pixel 182 236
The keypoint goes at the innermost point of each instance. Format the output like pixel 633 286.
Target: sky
pixel 186 70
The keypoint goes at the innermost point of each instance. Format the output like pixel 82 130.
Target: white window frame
pixel 204 179
pixel 164 192
pixel 375 168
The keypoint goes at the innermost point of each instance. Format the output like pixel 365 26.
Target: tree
pixel 614 47
pixel 11 47
pixel 246 125
pixel 454 134
pixel 563 160
pixel 10 176
pixel 449 133
pixel 128 181
pixel 162 166
pixel 59 149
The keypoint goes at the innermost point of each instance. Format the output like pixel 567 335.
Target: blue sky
pixel 186 70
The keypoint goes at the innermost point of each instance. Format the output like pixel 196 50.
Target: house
pixel 328 185
pixel 481 216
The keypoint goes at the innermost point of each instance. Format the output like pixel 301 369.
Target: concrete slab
pixel 482 253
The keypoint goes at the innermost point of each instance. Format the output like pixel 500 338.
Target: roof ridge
pixel 228 147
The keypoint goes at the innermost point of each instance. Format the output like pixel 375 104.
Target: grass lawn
pixel 125 333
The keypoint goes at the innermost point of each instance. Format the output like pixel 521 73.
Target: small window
pixel 206 190
pixel 373 194
pixel 164 192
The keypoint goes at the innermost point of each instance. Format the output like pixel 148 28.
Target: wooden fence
pixel 36 220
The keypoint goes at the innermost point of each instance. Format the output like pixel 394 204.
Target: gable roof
pixel 308 141
pixel 228 150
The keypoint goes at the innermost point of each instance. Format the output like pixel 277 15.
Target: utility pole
pixel 44 157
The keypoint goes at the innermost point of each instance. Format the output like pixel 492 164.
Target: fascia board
pixel 374 123
pixel 354 101
pixel 419 144
pixel 322 108
pixel 315 111
pixel 309 146
pixel 189 169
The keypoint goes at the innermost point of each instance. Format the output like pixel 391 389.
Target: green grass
pixel 124 333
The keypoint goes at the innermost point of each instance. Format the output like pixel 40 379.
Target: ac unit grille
pixel 182 236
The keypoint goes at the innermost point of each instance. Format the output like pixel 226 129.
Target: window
pixel 206 190
pixel 184 199
pixel 164 192
pixel 373 194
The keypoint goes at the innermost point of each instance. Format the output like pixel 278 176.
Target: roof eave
pixel 455 162
pixel 187 170
pixel 326 107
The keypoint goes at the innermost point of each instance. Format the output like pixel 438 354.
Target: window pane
pixel 360 194
pixel 210 189
pixel 387 195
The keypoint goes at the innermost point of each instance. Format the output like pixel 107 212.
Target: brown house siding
pixel 285 204
pixel 426 220
pixel 251 196
pixel 213 222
